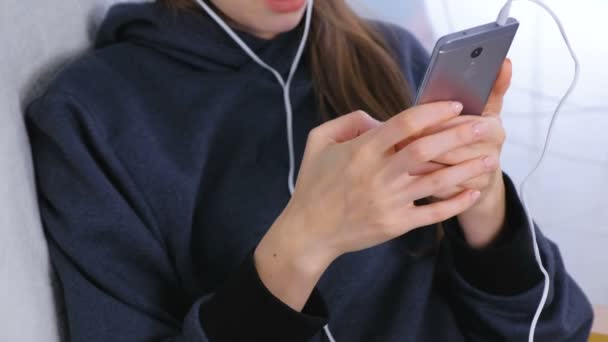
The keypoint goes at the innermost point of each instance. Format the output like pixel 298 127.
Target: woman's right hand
pixel 354 191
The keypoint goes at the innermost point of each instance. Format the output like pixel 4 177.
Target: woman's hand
pixel 355 191
pixel 482 222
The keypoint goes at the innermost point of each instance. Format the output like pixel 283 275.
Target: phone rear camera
pixel 477 52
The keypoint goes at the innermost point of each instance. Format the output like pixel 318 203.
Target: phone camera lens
pixel 477 52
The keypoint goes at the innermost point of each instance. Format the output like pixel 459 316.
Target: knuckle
pixel 407 124
pixel 437 183
pixel 478 183
pixel 502 136
pixel 465 134
pixel 480 165
pixel 418 152
pixel 478 168
pixel 471 184
pixel 498 127
pixel 361 114
pixel 314 133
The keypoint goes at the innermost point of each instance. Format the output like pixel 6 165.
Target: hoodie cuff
pixel 506 267
pixel 245 310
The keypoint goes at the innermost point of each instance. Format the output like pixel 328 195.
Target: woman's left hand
pixel 482 223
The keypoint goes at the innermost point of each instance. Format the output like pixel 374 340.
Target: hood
pixel 191 37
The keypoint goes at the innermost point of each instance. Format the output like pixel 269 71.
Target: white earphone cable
pixel 503 16
pixel 328 333
pixel 284 84
pixel 501 20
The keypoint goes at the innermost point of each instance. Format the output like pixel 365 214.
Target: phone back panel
pixel 464 66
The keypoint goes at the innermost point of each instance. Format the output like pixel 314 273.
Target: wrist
pixel 289 263
pixel 482 223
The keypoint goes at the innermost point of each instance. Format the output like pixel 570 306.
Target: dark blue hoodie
pixel 161 162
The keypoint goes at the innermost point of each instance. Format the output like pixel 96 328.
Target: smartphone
pixel 464 65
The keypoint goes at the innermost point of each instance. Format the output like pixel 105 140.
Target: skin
pixel 254 17
pixel 483 222
pixel 359 177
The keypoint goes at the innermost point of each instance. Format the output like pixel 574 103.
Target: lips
pixel 285 6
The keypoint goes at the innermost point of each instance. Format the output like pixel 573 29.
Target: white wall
pixel 568 195
pixel 37 37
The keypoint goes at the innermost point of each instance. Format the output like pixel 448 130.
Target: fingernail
pixel 490 162
pixel 457 107
pixel 475 195
pixel 479 127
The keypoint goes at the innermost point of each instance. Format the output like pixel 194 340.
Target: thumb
pixel 343 128
pixel 501 85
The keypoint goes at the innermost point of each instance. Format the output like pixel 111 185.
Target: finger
pixel 494 125
pixel 464 153
pixel 430 147
pixel 426 168
pixel 468 152
pixel 413 121
pixel 451 192
pixel 478 183
pixel 443 179
pixel 489 143
pixel 501 85
pixel 436 212
pixel 341 129
pixel 453 122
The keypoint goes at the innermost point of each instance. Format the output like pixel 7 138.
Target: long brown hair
pixel 352 67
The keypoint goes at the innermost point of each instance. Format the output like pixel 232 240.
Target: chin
pixel 274 23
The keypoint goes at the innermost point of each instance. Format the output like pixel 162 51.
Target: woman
pixel 161 167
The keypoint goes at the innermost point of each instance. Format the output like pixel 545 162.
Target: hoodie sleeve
pixel 495 291
pixel 117 279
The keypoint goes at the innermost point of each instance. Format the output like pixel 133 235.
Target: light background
pixel 568 194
